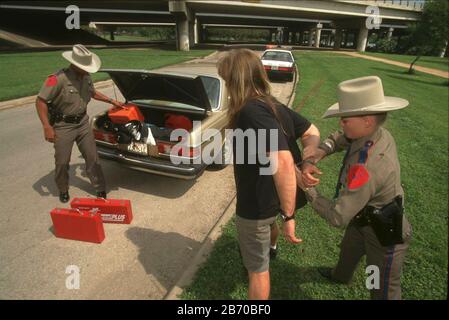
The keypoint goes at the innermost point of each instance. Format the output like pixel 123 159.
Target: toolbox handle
pixel 94 212
pixel 79 211
pixel 97 199
pixel 117 108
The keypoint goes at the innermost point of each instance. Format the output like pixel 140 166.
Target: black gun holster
pixel 386 221
pixel 53 116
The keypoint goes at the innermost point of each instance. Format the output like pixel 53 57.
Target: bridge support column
pixel 362 38
pixel 310 37
pixel 319 26
pixel 193 32
pixel 182 35
pixel 196 34
pixel 180 11
pixel 390 33
pixel 338 38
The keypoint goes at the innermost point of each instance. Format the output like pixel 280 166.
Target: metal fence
pixel 406 4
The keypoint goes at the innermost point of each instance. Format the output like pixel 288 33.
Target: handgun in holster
pixel 386 221
pixel 53 115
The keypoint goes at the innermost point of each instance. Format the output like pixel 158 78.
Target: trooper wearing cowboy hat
pixel 369 195
pixel 61 105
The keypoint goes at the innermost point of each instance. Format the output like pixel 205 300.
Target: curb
pixel 202 254
pixel 295 84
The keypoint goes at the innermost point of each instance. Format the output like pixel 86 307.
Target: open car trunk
pixel 165 102
pixel 159 96
pixel 183 91
pixel 155 118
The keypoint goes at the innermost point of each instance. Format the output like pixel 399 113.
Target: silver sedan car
pixel 190 92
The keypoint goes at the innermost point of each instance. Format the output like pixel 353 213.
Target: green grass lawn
pixel 421 133
pixel 428 62
pixel 22 74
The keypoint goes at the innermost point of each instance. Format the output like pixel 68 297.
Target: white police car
pixel 279 63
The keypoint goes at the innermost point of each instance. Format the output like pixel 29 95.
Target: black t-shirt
pixel 257 197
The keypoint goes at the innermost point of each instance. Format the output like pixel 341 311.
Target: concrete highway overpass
pixel 296 22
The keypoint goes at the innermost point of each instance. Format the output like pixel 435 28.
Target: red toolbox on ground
pixel 125 114
pixel 111 210
pixel 77 225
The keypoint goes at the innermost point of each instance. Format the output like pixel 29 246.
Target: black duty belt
pixel 386 221
pixel 73 118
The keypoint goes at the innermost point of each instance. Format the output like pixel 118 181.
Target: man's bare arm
pixel 42 112
pixel 285 182
pixel 101 97
pixel 310 141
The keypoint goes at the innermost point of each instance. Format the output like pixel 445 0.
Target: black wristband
pixel 325 147
pixel 307 161
pixel 286 218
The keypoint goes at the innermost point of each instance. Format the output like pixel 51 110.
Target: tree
pixel 431 33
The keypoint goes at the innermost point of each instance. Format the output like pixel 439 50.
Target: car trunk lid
pixel 141 85
pixel 277 63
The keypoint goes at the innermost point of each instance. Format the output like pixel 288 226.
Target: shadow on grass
pixel 408 77
pixel 223 276
pixel 415 77
pixel 390 71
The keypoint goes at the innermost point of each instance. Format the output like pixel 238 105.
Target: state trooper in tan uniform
pixel 61 106
pixel 369 195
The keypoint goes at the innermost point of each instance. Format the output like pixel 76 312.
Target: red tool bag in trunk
pixel 125 114
pixel 79 225
pixel 176 121
pixel 111 210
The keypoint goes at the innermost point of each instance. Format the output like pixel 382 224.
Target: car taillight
pixel 288 69
pixel 165 149
pixel 105 136
pixel 267 67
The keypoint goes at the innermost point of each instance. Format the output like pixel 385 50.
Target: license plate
pixel 274 67
pixel 139 148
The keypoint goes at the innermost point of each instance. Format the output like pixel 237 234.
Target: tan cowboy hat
pixel 363 96
pixel 83 58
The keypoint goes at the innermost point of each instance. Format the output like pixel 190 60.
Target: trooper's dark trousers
pixel 360 241
pixel 66 135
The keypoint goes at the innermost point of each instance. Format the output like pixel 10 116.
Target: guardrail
pixel 399 4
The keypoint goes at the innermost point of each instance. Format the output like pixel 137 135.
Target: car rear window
pixel 279 56
pixel 212 86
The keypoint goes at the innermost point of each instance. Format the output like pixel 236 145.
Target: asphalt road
pixel 142 260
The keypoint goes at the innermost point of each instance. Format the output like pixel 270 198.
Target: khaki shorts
pixel 254 240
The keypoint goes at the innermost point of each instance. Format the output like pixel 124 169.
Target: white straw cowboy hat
pixel 363 96
pixel 83 58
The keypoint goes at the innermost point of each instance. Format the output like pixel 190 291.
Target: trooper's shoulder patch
pixel 358 176
pixel 52 80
